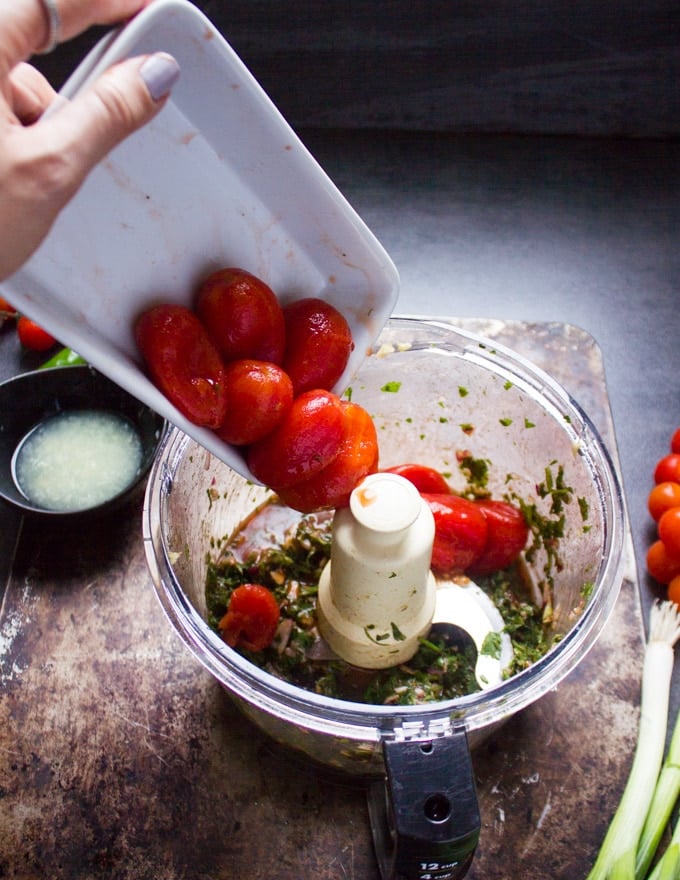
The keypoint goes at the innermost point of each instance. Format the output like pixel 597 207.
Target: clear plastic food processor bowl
pixel 433 391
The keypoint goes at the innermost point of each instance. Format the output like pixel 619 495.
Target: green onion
pixel 65 357
pixel 617 856
pixel 666 794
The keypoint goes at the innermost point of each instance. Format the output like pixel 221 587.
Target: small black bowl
pixel 29 399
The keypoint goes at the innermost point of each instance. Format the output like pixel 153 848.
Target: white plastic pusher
pixel 377 594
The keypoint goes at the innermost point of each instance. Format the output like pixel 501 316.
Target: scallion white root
pixel 617 856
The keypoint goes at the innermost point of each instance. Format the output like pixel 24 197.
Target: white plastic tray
pixel 218 178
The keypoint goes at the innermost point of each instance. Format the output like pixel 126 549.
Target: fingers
pixel 77 15
pixel 123 99
pixel 30 93
pixel 25 24
pixel 42 166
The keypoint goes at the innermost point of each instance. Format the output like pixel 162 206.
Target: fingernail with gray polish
pixel 160 72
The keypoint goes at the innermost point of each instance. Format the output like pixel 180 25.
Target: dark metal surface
pixel 121 758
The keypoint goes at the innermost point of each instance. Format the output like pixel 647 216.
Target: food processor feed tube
pixel 377 598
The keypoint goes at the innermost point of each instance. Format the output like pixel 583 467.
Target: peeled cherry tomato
pixel 507 534
pixel 308 439
pixel 251 619
pixel 460 533
pixel 668 469
pixel 318 344
pixel 183 362
pixel 32 336
pixel 669 531
pixel 662 497
pixel 258 395
pixel 425 479
pixel 332 486
pixel 242 316
pixel 660 564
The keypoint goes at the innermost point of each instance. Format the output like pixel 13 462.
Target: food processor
pixel 437 395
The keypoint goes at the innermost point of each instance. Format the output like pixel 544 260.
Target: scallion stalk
pixel 617 856
pixel 666 793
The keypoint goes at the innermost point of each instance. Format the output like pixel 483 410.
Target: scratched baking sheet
pixel 120 757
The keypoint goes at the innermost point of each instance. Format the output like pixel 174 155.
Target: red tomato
pixel 258 396
pixel 318 344
pixel 663 497
pixel 183 362
pixel 332 486
pixel 675 442
pixel 305 442
pixel 32 336
pixel 242 316
pixel 6 310
pixel 667 469
pixel 660 564
pixel 673 590
pixel 251 618
pixel 460 533
pixel 669 531
pixel 425 479
pixel 507 534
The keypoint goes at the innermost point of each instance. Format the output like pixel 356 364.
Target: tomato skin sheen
pixel 460 533
pixel 669 531
pixel 507 534
pixel 660 564
pixel 183 362
pixel 663 497
pixel 424 478
pixel 668 469
pixel 308 439
pixel 318 344
pixel 251 619
pixel 258 395
pixel 675 442
pixel 332 486
pixel 242 316
pixel 32 336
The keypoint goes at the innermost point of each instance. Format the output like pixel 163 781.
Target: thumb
pixel 119 102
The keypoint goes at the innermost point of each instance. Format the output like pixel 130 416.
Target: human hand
pixel 45 159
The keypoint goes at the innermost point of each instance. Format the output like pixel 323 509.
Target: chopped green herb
pixel 505 422
pixel 491 646
pixel 391 387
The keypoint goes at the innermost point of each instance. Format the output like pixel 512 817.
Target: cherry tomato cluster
pixel 259 374
pixel 663 557
pixel 30 334
pixel 471 537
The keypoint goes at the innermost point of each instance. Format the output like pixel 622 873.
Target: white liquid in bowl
pixel 77 460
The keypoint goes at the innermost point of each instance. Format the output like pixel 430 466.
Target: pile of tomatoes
pixel 663 557
pixel 472 537
pixel 260 375
pixel 30 334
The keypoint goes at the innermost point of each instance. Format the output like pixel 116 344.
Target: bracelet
pixel 53 24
